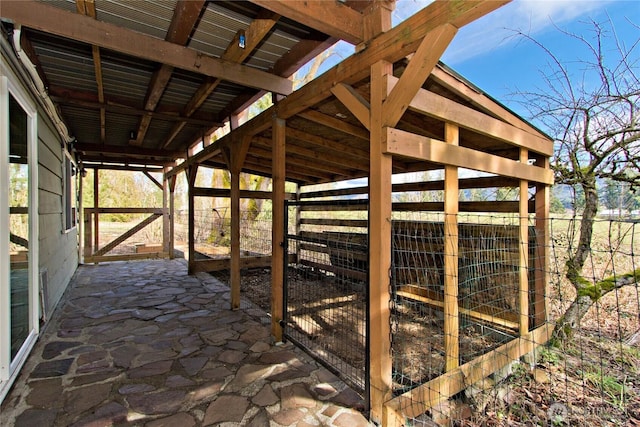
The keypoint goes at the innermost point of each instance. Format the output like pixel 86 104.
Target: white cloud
pixel 530 16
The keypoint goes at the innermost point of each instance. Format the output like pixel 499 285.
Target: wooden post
pixel 542 249
pixel 192 172
pixel 235 228
pixel 166 219
pixel 278 231
pixel 88 240
pixel 451 314
pixel 172 217
pixel 523 276
pixel 379 249
pixel 96 216
pixel 80 213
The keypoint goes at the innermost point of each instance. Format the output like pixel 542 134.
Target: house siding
pixel 58 248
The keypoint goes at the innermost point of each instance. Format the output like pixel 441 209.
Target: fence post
pixel 380 248
pixel 277 240
pixel 523 276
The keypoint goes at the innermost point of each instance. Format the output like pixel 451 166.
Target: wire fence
pixel 500 373
pixel 588 375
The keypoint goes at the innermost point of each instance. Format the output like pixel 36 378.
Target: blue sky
pixel 488 53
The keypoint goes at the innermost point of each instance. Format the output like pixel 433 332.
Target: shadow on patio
pixel 142 343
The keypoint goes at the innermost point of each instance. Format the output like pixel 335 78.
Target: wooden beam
pixel 124 236
pixel 391 46
pixel 244 194
pixel 352 150
pixel 354 102
pixel 482 101
pixel 332 18
pixel 88 8
pixel 278 231
pixel 185 17
pixel 335 124
pixel 420 66
pixel 420 399
pixel 152 211
pixel 254 34
pixel 438 106
pixel 407 144
pixel 130 151
pixel 322 159
pixel 54 20
pixel 125 257
pixel 152 179
pixel 172 219
pixel 64 96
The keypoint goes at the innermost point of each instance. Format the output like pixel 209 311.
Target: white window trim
pixel 74 196
pixel 10 84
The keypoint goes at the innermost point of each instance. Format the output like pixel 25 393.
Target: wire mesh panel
pixel 326 289
pixel 488 286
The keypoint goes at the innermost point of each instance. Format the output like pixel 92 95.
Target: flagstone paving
pixel 144 344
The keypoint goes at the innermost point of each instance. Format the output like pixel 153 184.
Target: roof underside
pixel 124 108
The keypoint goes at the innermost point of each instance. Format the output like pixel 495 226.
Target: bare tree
pixel 591 109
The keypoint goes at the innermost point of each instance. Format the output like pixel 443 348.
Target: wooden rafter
pixel 335 124
pixel 129 151
pixel 435 105
pixel 51 19
pixel 332 18
pixel 254 34
pixel 185 17
pixel 88 8
pixel 77 99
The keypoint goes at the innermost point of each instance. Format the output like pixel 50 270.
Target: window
pixel 70 195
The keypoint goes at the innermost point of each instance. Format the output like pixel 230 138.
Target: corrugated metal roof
pixel 85 125
pixel 149 17
pixel 218 26
pixel 124 76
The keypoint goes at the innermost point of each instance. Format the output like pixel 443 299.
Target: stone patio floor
pixel 144 344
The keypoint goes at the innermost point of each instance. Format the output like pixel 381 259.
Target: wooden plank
pixel 342 253
pixel 419 400
pixel 338 271
pixel 155 211
pixel 438 106
pixel 332 18
pixel 209 265
pixel 244 194
pixel 420 66
pixel 73 26
pixel 172 218
pixel 542 251
pixel 20 241
pixel 523 262
pixel 152 179
pixel 354 102
pixel 335 124
pixel 451 256
pixel 125 257
pixel 487 314
pixel 380 248
pixel 131 151
pixel 18 210
pixel 124 236
pixel 407 144
pixel 277 229
pixel 476 97
pixel 96 214
pixel 335 222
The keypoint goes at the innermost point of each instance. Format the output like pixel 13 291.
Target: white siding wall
pixel 58 248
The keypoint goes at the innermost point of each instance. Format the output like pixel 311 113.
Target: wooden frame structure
pixel 390 108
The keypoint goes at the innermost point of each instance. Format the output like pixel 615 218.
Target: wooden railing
pixel 95 254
